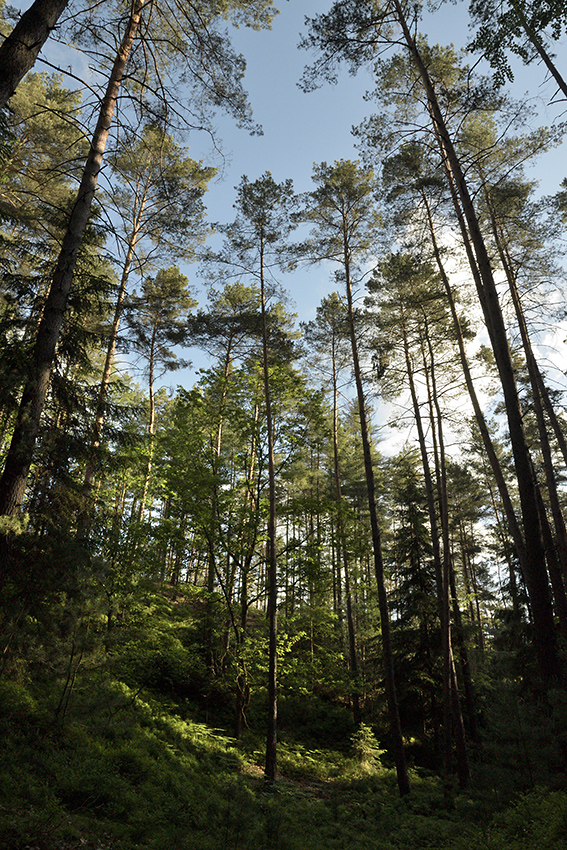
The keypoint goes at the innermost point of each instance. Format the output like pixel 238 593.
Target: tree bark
pixel 19 458
pixel 389 675
pixel 21 48
pixel 342 551
pixel 271 559
pixel 536 575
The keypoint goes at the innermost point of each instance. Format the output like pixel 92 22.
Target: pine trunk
pixel 389 675
pixel 20 50
pixel 538 44
pixel 536 381
pixel 271 559
pixel 14 478
pixel 342 552
pixel 479 416
pixel 536 574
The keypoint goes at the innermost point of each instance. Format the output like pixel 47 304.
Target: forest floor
pixel 140 776
pixel 119 748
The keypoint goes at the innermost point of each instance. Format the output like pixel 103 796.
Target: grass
pixel 138 775
pixel 131 751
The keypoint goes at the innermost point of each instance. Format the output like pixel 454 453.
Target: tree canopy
pixel 310 591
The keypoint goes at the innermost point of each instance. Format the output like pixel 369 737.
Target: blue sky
pixel 300 129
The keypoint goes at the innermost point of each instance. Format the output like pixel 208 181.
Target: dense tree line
pixel 411 587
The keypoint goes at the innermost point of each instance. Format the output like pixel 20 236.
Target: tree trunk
pixel 271 559
pixel 465 664
pixel 217 446
pixel 437 560
pixel 19 458
pixel 211 536
pixel 452 716
pixel 91 465
pixel 389 675
pixel 21 48
pixel 450 677
pixel 151 426
pixel 342 551
pixel 536 574
pixel 554 568
pixel 513 584
pixel 479 416
pixel 538 44
pixel 536 381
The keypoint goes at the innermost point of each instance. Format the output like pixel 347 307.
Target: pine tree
pixel 256 245
pixel 432 89
pixel 344 226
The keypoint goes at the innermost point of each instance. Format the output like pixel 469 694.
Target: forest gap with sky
pixel 283 437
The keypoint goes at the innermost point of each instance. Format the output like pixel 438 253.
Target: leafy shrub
pixel 17 705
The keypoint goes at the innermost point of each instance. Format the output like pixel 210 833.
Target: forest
pixel 312 593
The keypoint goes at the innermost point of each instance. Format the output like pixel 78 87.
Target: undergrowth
pixel 124 745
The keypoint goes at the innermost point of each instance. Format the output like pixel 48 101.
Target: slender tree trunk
pixel 389 675
pixel 21 48
pixel 246 543
pixel 554 567
pixel 342 551
pixel 271 555
pixel 444 608
pixel 536 381
pixel 513 584
pixel 217 446
pixel 435 545
pixel 212 542
pixel 450 676
pixel 470 588
pixel 536 574
pixel 451 706
pixel 448 666
pixel 538 44
pixel 464 658
pixel 552 416
pixel 479 416
pixel 19 458
pixel 100 414
pixel 151 425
